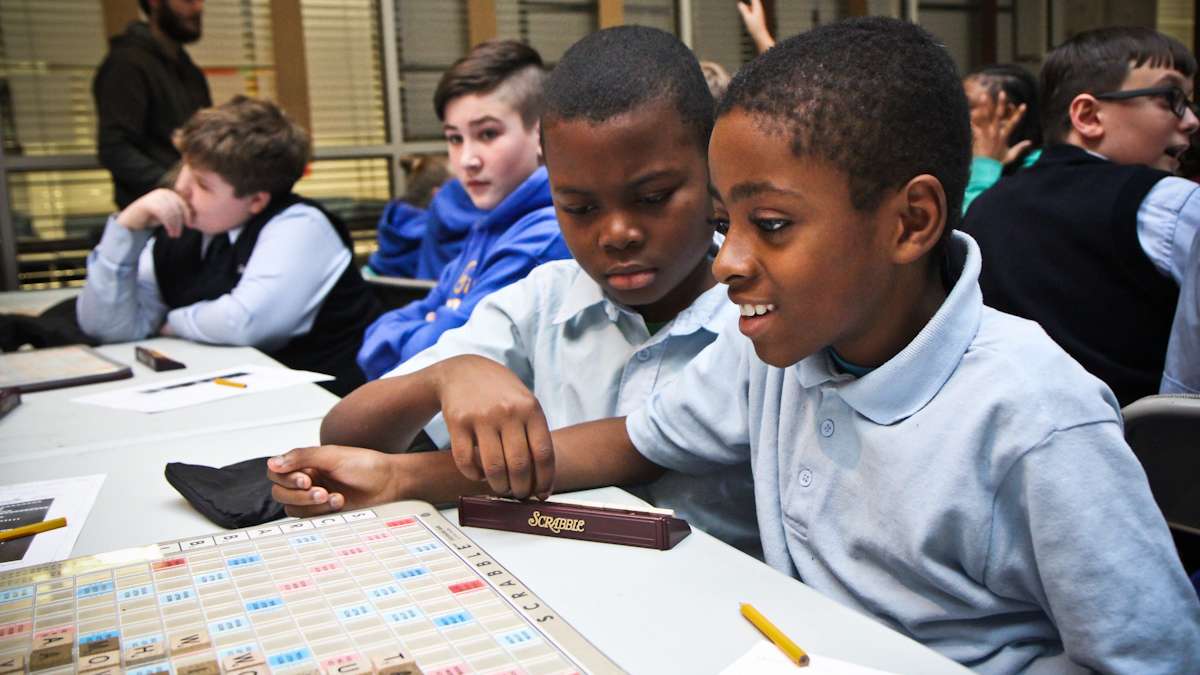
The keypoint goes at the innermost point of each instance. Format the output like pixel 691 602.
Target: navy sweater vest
pixel 185 277
pixel 1060 247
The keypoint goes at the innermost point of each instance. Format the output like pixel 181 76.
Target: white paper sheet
pixel 765 658
pixel 71 498
pixel 199 388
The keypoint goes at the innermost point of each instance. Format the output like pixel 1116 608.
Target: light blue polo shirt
pixel 586 358
pixel 974 492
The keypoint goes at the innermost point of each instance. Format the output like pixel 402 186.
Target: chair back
pixel 1164 432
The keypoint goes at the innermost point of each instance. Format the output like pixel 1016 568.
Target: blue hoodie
pixel 418 243
pixel 512 239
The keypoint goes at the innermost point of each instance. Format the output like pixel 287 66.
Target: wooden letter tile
pixel 111 644
pixel 136 656
pixel 50 657
pixel 99 661
pixel 394 662
pixel 189 641
pixel 208 667
pixel 237 662
pixel 12 663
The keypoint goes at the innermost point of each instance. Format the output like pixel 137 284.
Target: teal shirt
pixel 985 172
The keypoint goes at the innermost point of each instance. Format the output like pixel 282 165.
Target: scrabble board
pixel 393 590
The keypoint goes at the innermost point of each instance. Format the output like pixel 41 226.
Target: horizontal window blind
pixel 430 35
pixel 654 13
pixel 345 72
pixel 356 190
pixel 235 52
pixel 48 52
pixel 58 216
pixel 718 35
pixel 549 26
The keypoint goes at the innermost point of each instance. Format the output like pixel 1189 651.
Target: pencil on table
pixel 26 530
pixel 790 649
pixel 229 383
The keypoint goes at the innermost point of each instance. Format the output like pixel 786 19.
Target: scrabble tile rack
pixel 393 590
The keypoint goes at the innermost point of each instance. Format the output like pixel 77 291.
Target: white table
pixel 49 423
pixel 34 302
pixel 651 611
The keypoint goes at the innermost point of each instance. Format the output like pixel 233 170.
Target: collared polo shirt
pixel 974 492
pixel 586 357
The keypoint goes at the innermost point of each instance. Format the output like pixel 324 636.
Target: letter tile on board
pixel 188 641
pixel 243 661
pixel 394 662
pixel 99 661
pixel 12 663
pixel 111 670
pixel 209 667
pixel 50 657
pixel 136 656
pixel 110 644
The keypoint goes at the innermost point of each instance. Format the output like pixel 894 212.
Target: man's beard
pixel 174 27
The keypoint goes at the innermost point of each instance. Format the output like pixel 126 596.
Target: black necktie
pixel 217 247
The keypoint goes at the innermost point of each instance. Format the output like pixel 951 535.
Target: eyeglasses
pixel 1173 94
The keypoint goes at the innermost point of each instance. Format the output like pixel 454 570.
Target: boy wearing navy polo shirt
pixel 922 458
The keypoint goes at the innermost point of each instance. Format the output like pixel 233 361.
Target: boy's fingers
pixel 299 497
pixel 491 458
pixel 541 449
pixel 462 449
pixel 516 458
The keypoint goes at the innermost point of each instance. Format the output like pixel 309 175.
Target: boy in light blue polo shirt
pixel 626 123
pixel 917 456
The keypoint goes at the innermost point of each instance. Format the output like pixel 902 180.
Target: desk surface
pixel 49 422
pixel 650 611
pixel 33 302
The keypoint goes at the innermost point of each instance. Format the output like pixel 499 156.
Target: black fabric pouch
pixel 239 495
pixel 234 496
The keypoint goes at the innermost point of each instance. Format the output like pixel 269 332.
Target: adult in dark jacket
pixel 146 88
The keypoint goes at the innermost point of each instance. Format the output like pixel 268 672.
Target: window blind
pixel 430 35
pixel 345 72
pixel 236 49
pixel 48 51
pixel 718 35
pixel 549 26
pixel 654 13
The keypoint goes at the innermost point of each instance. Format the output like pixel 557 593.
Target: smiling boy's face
pixel 806 269
pixel 632 200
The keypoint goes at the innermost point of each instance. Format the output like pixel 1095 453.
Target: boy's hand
pixel 313 481
pixel 991 123
pixel 157 207
pixel 497 429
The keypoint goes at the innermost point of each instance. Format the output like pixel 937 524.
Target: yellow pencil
pixel 790 649
pixel 26 530
pixel 229 383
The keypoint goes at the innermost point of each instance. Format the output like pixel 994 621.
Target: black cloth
pixel 234 496
pixel 143 93
pixel 55 327
pixel 1059 244
pixel 186 277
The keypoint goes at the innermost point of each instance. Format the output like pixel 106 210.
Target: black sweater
pixel 143 93
pixel 1060 246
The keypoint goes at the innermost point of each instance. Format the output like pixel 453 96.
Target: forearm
pixel 597 454
pixel 594 454
pixel 111 308
pixel 384 415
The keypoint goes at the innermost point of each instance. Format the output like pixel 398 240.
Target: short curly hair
pixel 877 98
pixel 616 70
pixel 249 142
